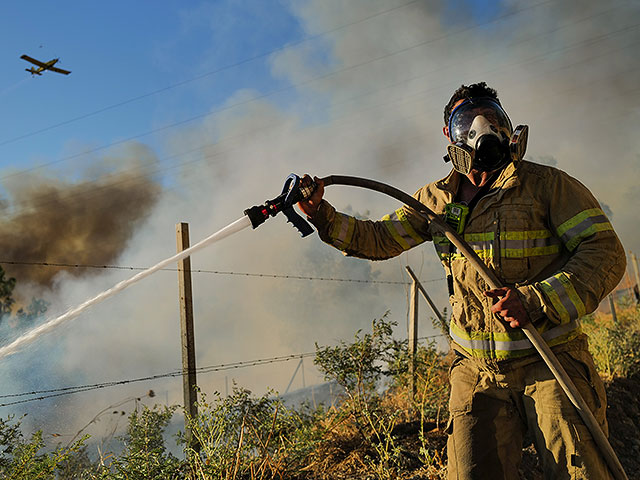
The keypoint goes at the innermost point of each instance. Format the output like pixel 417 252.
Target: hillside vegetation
pixel 373 433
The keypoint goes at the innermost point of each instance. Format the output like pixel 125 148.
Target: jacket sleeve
pixel 596 258
pixel 375 240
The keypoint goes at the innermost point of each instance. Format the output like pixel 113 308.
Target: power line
pixel 530 60
pixel 533 59
pixel 96 190
pixel 207 74
pixel 215 272
pixel 281 90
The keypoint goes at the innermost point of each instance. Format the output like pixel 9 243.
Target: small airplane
pixel 42 66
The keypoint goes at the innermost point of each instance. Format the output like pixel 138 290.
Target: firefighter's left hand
pixel 508 306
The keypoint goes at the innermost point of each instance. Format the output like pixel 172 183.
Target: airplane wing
pixel 59 70
pixel 34 61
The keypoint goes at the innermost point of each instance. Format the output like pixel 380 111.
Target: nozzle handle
pixel 292 193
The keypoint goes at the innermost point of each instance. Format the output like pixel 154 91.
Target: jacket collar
pixel 509 177
pixel 450 183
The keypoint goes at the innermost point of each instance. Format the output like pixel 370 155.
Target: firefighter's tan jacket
pixel 540 230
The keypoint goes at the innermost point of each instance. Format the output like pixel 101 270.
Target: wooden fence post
pixel 413 337
pixel 187 336
pixel 444 327
pixel 612 306
pixel 634 261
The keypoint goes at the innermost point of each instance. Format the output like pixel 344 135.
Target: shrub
pixel 21 459
pixel 615 346
pixel 242 436
pixel 359 367
pixel 144 455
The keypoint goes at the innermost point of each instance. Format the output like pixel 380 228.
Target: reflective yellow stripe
pixel 583 225
pixel 481 243
pixel 573 295
pixel 479 237
pixel 337 223
pixel 401 229
pixel 529 252
pixel 342 230
pixel 505 345
pixel 397 236
pixel 528 243
pixel 575 220
pixel 555 301
pixel 350 229
pixel 402 216
pixel 587 232
pixel 514 244
pixel 527 234
pixel 564 297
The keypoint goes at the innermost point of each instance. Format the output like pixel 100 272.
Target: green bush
pixel 615 346
pixel 247 437
pixel 360 367
pixel 144 456
pixel 22 459
pixel 242 436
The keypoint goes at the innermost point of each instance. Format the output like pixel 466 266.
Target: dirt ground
pixel 623 414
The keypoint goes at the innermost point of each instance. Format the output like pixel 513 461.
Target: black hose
pixel 378 187
pixel 407 199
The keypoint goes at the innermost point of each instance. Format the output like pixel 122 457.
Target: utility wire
pixel 92 189
pixel 524 62
pixel 216 272
pixel 174 373
pixel 283 89
pixel 71 390
pixel 207 74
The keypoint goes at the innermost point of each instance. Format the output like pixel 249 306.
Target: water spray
pixel 72 313
pixel 292 193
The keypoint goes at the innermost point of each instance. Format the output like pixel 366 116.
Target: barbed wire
pixel 216 272
pixel 71 390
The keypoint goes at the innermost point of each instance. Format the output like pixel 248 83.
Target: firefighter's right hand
pixel 310 206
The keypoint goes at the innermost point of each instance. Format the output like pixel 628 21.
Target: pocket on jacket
pixel 511 241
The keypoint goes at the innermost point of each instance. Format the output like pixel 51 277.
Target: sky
pixel 194 111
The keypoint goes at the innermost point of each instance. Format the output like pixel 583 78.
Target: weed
pixel 615 346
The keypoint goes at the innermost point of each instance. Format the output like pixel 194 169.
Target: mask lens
pixel 463 116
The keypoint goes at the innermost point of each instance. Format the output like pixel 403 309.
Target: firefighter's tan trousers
pixel 492 408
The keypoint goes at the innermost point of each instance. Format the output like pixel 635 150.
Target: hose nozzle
pixel 292 193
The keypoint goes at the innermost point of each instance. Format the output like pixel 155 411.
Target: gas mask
pixel 482 137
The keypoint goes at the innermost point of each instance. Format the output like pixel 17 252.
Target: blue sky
pixel 198 54
pixel 118 51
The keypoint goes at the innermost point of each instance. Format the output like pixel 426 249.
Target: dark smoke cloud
pixel 85 222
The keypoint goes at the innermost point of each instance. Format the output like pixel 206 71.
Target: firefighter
pixel 547 239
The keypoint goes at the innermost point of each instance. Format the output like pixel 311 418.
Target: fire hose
pixel 294 192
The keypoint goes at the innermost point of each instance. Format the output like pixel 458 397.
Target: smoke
pixel 366 100
pixel 84 222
